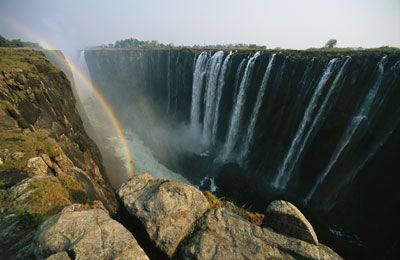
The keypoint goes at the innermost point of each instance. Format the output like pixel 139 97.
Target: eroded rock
pixel 283 217
pixel 37 166
pixel 59 256
pixel 86 234
pixel 167 209
pixel 222 234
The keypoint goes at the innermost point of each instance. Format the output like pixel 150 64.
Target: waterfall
pixel 311 120
pixel 210 95
pixel 200 70
pixel 253 119
pixel 221 84
pixel 390 79
pixel 358 120
pixel 237 78
pixel 169 81
pixel 237 112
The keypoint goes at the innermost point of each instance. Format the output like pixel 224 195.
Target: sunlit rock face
pixel 316 127
pixel 47 161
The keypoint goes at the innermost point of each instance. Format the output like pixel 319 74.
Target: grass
pixel 30 143
pixel 76 191
pixel 47 198
pixel 4 106
pixel 4 198
pixel 253 217
pixel 29 60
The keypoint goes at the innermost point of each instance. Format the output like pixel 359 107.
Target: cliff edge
pixel 47 161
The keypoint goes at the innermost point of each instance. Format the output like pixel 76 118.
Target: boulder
pixel 59 256
pixel 85 234
pixel 284 218
pixel 222 234
pixel 36 166
pixel 167 209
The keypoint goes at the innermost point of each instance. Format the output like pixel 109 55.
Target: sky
pixel 295 24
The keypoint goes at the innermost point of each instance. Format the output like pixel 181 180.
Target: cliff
pixel 56 202
pixel 47 161
pixel 318 128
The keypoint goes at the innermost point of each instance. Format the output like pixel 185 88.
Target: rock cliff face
pixel 47 161
pixel 55 201
pixel 316 127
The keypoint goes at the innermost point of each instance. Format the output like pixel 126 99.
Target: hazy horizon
pixel 290 24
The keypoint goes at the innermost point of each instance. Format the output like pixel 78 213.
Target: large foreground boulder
pixel 81 233
pixel 284 218
pixel 222 234
pixel 167 209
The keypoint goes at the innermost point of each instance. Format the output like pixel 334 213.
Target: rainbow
pixel 85 79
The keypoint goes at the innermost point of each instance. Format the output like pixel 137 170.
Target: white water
pixel 221 84
pixel 358 120
pixel 237 112
pixel 199 73
pixel 380 138
pixel 253 119
pixel 210 95
pixel 237 79
pixel 143 158
pixel 306 130
pixel 146 162
pixel 169 81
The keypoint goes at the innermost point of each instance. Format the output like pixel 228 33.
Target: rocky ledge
pixel 47 161
pixel 185 223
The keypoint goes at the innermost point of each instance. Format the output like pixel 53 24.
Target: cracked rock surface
pixel 167 209
pixel 85 234
pixel 222 234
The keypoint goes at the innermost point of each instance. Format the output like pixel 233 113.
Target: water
pixel 358 121
pixel 221 84
pixel 308 126
pixel 237 112
pixel 200 70
pixel 210 95
pixel 386 84
pixel 253 118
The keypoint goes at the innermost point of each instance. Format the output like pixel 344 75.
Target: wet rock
pixel 167 209
pixel 283 217
pixel 36 166
pixel 86 234
pixel 222 234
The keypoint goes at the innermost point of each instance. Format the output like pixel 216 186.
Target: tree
pixel 331 43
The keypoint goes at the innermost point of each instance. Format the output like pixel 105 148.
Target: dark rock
pixel 20 78
pixel 283 217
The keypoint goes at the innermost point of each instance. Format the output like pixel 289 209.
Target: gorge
pixel 317 127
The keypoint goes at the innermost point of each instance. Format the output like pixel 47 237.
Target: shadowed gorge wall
pixel 320 128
